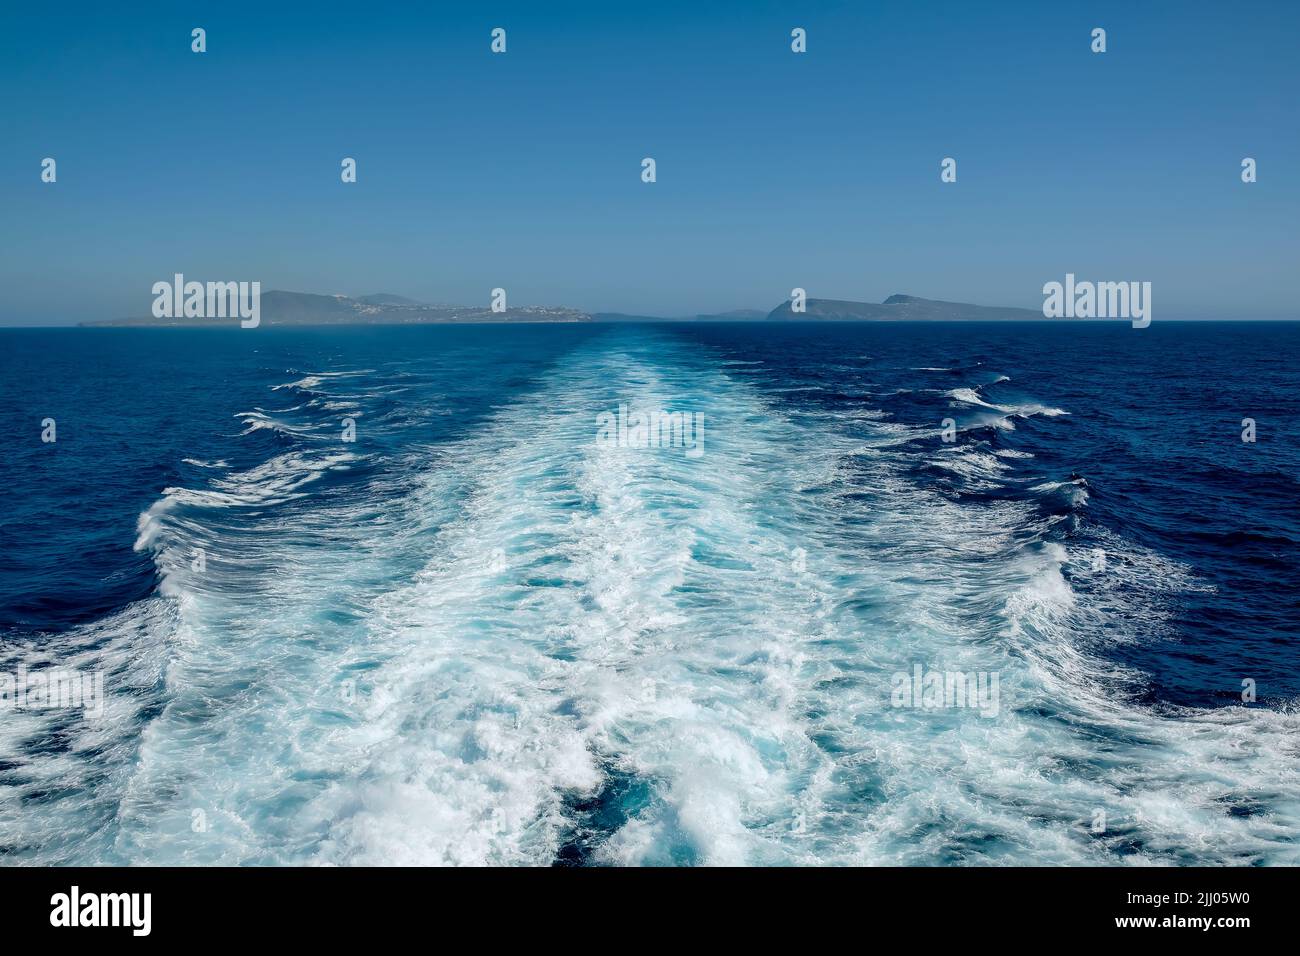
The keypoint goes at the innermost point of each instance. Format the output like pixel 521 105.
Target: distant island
pixel 305 308
pixel 902 308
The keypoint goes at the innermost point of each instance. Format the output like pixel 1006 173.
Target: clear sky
pixel 775 170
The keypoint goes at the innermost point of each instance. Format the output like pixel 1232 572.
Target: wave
pixel 521 646
pixel 969 396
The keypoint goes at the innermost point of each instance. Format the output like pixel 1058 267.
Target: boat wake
pixel 525 646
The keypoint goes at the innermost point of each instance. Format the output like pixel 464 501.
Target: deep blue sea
pixel 477 634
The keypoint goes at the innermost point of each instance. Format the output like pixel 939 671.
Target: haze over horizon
pixel 774 169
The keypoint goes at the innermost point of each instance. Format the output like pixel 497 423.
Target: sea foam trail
pixel 596 623
pixel 630 656
pixel 523 646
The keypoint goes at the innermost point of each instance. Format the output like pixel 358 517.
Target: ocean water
pixel 478 635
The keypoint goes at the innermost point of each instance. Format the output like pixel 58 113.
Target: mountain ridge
pixel 900 307
pixel 279 307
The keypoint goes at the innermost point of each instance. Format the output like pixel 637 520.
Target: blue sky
pixel 775 170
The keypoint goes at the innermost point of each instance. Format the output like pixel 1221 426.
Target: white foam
pixel 530 617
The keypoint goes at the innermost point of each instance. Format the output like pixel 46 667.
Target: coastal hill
pixel 305 308
pixel 900 308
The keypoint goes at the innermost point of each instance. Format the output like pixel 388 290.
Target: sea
pixel 917 594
